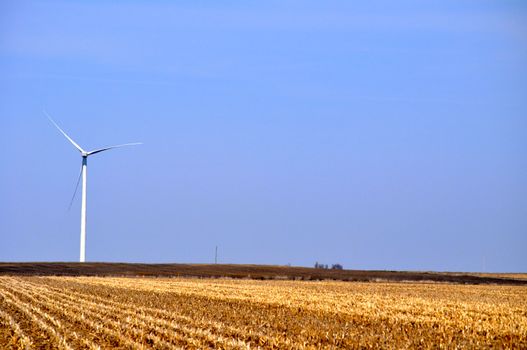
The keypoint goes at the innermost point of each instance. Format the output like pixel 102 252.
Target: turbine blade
pixel 108 148
pixel 76 188
pixel 63 133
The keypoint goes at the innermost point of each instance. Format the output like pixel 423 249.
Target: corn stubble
pixel 138 313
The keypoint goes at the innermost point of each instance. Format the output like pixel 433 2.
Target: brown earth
pixel 247 271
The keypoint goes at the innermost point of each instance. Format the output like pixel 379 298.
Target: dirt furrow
pixel 253 318
pixel 142 327
pixel 215 333
pixel 71 326
pixel 109 333
pixel 43 320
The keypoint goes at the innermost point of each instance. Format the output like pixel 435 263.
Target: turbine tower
pixel 83 173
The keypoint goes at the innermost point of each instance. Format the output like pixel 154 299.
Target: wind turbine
pixel 83 173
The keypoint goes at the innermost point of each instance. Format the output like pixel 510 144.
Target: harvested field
pixel 263 272
pixel 165 313
pixel 518 276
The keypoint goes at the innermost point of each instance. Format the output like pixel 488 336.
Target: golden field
pixel 165 313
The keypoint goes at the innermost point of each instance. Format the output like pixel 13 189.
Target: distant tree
pixel 336 267
pixel 321 266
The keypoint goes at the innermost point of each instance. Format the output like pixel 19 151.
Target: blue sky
pixel 379 135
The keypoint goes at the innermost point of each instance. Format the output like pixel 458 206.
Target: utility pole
pixel 216 256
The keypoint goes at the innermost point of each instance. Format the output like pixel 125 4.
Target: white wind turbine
pixel 85 155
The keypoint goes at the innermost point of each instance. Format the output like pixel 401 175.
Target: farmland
pixel 122 312
pixel 250 271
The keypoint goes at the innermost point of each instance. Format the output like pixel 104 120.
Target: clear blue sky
pixel 380 135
